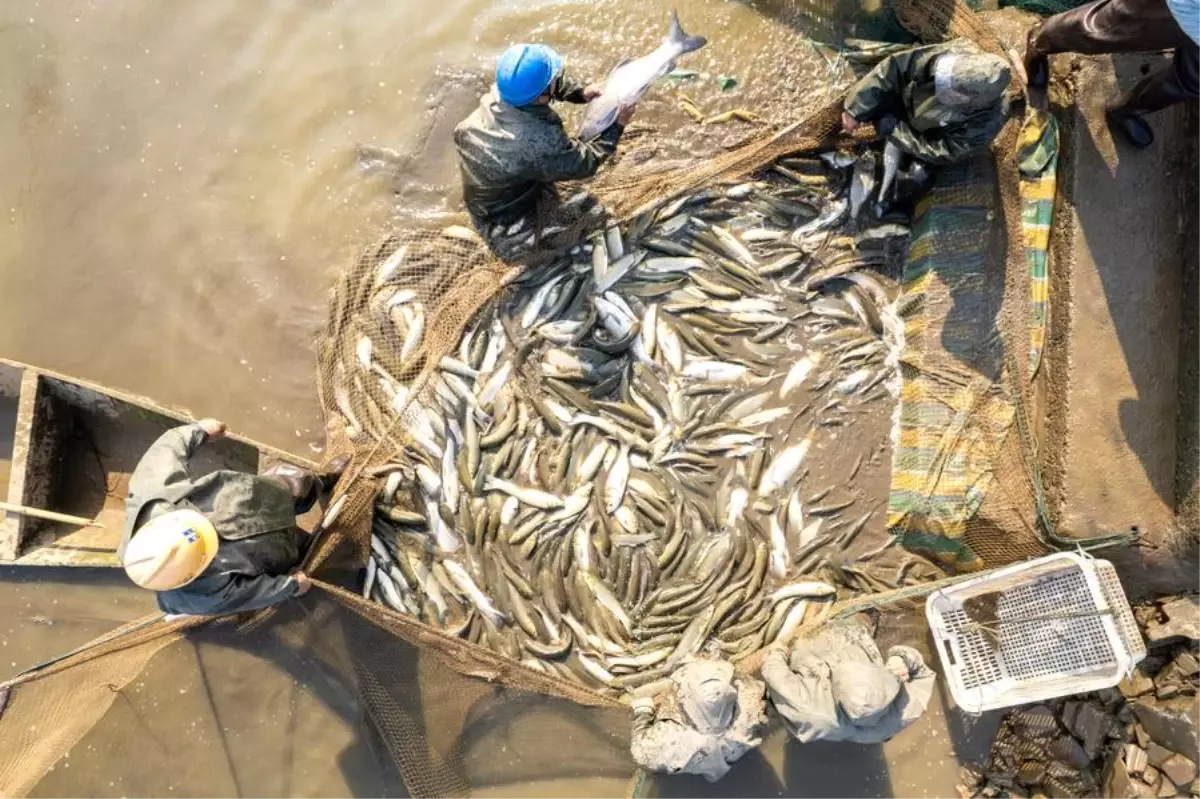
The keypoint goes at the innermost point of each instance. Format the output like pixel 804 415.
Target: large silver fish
pixel 625 85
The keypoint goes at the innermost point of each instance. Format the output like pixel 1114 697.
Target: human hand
pixel 303 583
pixel 626 115
pixel 212 428
pixel 849 123
pixel 592 91
pixel 898 667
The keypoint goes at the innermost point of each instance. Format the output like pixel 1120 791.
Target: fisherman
pixel 835 686
pixel 936 104
pixel 700 722
pixel 513 146
pixel 221 543
pixel 1124 26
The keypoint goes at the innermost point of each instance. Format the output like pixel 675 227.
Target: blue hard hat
pixel 524 72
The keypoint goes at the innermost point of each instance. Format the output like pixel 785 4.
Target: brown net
pixel 431 697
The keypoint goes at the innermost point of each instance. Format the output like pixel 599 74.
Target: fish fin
pixel 677 35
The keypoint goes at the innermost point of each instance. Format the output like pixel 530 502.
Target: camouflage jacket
pixel 254 517
pixel 902 85
pixel 508 153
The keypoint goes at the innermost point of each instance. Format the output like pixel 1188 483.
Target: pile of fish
pixel 610 472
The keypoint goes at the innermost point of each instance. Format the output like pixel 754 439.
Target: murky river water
pixel 181 182
pixel 180 185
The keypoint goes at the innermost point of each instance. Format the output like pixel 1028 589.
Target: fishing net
pixel 965 490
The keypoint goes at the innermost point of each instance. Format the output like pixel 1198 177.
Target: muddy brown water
pixel 182 182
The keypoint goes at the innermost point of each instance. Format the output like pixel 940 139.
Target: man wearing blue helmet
pixel 514 144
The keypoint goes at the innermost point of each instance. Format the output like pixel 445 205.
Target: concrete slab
pixel 1116 296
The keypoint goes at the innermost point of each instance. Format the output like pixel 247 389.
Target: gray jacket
pixel 508 153
pixel 813 701
pixel 254 517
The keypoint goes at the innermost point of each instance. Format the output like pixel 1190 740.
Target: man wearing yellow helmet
pixel 223 542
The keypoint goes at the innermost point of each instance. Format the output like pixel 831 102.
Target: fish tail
pixel 679 36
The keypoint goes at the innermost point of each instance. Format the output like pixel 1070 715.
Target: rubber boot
pixel 1134 128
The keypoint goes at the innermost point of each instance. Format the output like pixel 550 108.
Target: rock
pixel 1036 722
pixel 1166 789
pixel 1119 785
pixel 1135 759
pixel 1187 665
pixel 1141 736
pixel 1194 788
pixel 1171 723
pixel 1066 749
pixel 1069 712
pixel 1157 755
pixel 1151 776
pixel 1136 684
pixel 964 792
pixel 1057 789
pixel 1109 696
pixel 1179 769
pixel 1091 727
pixel 1031 772
pixel 1002 780
pixel 1168 690
pixel 1183 622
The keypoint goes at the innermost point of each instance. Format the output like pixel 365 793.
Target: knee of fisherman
pixel 836 686
pixel 222 542
pixel 514 144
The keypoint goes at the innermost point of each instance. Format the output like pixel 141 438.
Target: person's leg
pixel 1177 82
pixel 1102 26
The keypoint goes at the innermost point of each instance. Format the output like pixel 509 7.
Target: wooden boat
pixel 68 446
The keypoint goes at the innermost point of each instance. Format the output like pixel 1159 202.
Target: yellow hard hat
pixel 171 550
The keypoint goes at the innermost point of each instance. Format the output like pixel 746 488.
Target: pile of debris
pixel 1136 740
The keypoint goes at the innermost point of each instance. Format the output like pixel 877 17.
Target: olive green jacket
pixel 508 153
pixel 903 85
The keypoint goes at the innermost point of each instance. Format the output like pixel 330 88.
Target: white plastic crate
pixel 1063 626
